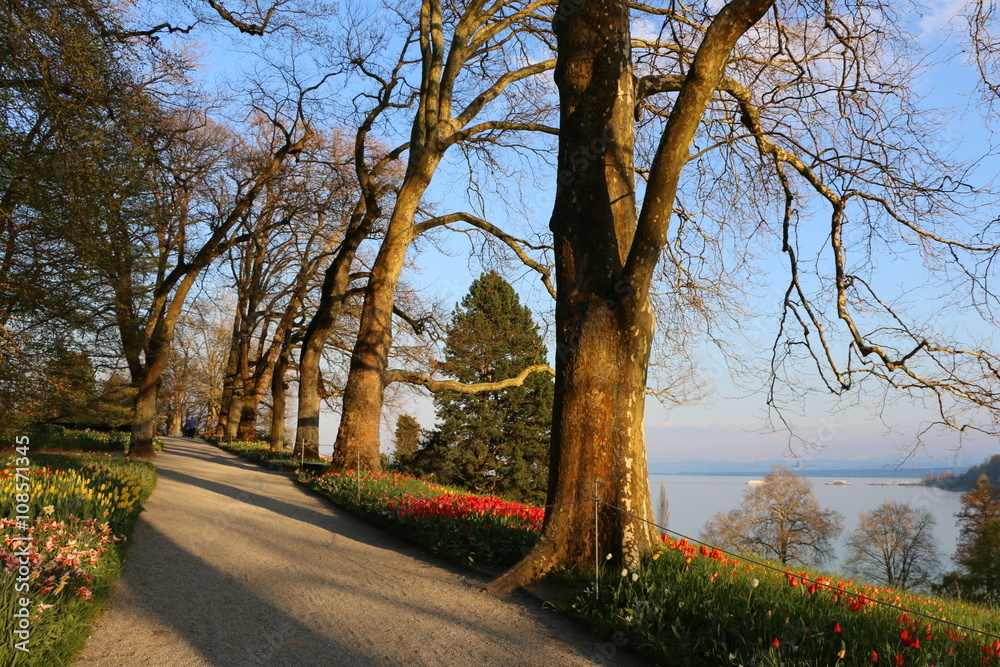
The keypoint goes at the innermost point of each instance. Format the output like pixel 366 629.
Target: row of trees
pixel 120 175
pixel 893 545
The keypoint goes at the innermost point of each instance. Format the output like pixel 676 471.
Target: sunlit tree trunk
pixel 279 392
pixel 605 258
pixel 358 439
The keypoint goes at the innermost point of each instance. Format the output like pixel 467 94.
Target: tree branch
pixel 435 386
pixel 511 242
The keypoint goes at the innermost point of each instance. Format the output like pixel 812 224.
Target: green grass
pixel 48 437
pixel 696 607
pixel 258 451
pixel 81 535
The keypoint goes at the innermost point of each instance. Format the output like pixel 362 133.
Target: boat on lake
pixel 840 482
pixel 755 482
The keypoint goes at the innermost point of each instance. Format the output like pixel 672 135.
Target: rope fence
pixel 741 557
pixel 664 530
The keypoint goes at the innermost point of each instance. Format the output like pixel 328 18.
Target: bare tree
pixel 779 519
pixel 295 226
pixel 465 56
pixel 192 237
pixel 894 545
pixel 984 31
pixel 772 122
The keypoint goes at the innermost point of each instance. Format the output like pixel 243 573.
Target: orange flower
pixel 899 660
pixel 837 628
pixel 873 656
pixel 775 643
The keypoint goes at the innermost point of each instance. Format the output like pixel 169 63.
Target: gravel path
pixel 233 565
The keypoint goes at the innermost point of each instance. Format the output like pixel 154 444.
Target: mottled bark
pixel 174 422
pixel 144 422
pixel 358 439
pixel 605 258
pixel 336 282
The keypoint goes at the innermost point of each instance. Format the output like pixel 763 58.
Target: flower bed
pixel 476 530
pixel 80 510
pixel 691 605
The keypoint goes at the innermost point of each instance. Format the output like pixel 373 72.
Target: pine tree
pixel 407 438
pixel 493 442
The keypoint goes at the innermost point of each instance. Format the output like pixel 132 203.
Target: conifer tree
pixel 493 442
pixel 407 438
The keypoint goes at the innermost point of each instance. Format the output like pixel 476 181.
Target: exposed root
pixel 535 565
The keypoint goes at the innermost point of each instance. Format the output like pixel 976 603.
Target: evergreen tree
pixel 408 434
pixel 493 442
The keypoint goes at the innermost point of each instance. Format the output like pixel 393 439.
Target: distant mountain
pixel 873 467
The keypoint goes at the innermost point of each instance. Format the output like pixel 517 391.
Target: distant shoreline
pixel 906 473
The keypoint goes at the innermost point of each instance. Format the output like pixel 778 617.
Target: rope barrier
pixel 788 573
pixel 597 501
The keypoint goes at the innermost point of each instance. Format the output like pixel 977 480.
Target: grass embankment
pixel 257 451
pixel 484 531
pixel 690 605
pixel 57 438
pixel 82 510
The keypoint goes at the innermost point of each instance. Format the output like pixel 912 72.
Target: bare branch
pixel 435 386
pixel 511 242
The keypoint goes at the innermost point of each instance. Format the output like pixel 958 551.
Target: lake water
pixel 694 499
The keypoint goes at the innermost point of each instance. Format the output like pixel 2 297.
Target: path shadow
pixel 228 623
pixel 216 614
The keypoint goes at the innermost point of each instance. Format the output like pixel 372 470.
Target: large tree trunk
pixel 174 422
pixel 239 384
pixel 247 429
pixel 605 259
pixel 358 440
pixel 279 391
pixel 603 328
pixel 360 420
pixel 226 403
pixel 336 282
pixel 144 419
pixel 310 400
